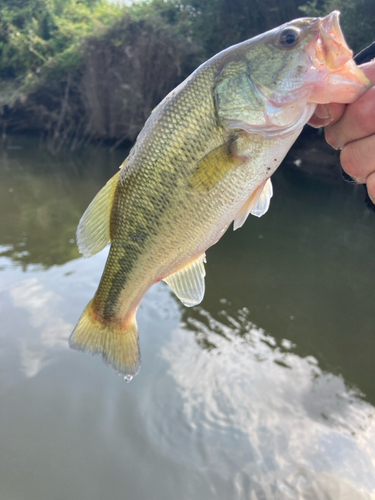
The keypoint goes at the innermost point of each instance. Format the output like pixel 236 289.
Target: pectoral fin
pixel 257 204
pixel 215 165
pixel 94 228
pixel 188 282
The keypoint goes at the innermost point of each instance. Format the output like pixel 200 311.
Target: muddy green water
pixel 264 391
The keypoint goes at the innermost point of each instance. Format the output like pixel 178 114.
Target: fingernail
pixel 322 112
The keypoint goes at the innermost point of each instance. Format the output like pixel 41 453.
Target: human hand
pixel 351 129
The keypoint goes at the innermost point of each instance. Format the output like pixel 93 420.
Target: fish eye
pixel 289 37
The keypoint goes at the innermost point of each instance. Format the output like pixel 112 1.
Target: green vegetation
pixel 40 36
pixel 81 70
pixel 217 24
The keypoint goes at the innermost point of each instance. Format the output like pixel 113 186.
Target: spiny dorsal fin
pixel 188 282
pixel 257 204
pixel 94 232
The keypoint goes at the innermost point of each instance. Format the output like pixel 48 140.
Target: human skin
pixel 351 129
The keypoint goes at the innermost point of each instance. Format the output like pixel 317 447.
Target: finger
pixel 357 122
pixel 371 186
pixel 326 114
pixel 358 159
pixel 369 70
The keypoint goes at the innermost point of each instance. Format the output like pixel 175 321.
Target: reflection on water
pixel 261 417
pixel 264 394
pixel 40 304
pixel 42 199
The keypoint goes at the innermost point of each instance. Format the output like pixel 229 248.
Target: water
pixel 264 391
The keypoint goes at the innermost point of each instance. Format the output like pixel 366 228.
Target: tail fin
pixel 119 348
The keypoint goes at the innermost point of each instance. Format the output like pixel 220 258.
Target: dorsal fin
pixel 188 282
pixel 257 204
pixel 93 232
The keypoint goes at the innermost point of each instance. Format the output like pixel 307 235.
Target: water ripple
pixel 266 421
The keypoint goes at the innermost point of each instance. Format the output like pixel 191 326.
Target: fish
pixel 203 160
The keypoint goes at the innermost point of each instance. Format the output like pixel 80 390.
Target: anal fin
pixel 188 282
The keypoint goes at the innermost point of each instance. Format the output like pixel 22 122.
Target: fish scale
pixel 202 160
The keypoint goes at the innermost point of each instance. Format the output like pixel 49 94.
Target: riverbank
pixel 92 71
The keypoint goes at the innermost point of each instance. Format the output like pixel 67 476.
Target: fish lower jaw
pixel 345 92
pixel 342 86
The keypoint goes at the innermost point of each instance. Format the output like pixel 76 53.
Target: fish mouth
pixel 340 78
pixel 331 43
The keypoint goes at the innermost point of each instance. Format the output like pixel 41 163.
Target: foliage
pixel 78 70
pixel 94 82
pixel 220 23
pixel 216 24
pixel 38 36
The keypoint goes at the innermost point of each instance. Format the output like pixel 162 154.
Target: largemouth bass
pixel 203 160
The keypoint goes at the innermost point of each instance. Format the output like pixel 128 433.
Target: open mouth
pixel 340 79
pixel 332 42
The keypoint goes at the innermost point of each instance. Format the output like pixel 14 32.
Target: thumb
pixel 326 114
